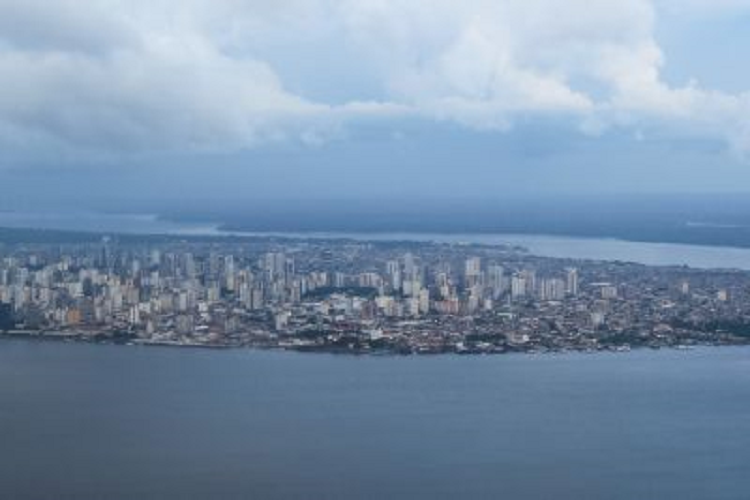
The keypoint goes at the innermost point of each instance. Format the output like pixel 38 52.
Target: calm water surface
pixel 84 421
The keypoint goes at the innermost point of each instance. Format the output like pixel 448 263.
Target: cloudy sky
pixel 411 98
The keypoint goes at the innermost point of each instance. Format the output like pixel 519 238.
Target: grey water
pixel 571 247
pixel 649 253
pixel 86 421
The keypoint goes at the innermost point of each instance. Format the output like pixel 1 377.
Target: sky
pixel 135 101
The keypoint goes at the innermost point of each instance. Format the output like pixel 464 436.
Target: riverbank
pixel 656 250
pixel 297 346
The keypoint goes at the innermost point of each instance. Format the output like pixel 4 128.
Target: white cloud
pixel 116 77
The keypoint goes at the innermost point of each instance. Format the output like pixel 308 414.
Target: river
pixel 116 422
pixel 697 256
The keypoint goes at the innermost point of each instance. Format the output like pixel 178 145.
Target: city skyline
pixel 359 297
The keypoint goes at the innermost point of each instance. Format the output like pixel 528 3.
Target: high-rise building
pixel 393 270
pixel 518 287
pixel 552 289
pixel 496 280
pixel 472 271
pixel 571 282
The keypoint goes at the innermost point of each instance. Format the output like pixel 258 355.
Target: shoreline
pixel 80 338
pixel 698 255
pixel 219 229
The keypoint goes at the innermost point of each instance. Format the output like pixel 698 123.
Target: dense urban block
pixel 360 297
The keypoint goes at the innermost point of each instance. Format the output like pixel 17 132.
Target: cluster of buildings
pixel 342 295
